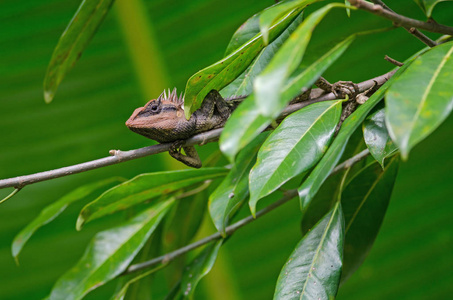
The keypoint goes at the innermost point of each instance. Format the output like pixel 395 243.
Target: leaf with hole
pixel 109 254
pixel 144 187
pixel 73 41
pixel 421 99
pixel 294 147
pixel 313 270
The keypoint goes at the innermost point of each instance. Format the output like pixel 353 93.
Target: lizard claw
pixel 342 88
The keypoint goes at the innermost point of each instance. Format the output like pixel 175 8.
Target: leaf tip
pixel 80 222
pixel 48 96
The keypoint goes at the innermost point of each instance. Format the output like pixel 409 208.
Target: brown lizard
pixel 163 120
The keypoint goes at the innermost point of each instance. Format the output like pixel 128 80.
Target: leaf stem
pixel 16 190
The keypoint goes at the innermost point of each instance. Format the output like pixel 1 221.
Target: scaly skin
pixel 163 120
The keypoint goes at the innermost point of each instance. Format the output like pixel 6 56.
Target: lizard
pixel 163 120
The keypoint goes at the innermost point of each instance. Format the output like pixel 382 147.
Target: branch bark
pixel 290 194
pixel 118 156
pixel 401 20
pixel 415 32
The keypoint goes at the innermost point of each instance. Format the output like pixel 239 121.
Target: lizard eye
pixel 155 107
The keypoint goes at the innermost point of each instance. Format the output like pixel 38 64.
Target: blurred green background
pixel 145 46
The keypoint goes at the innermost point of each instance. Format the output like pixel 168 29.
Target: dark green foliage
pixel 269 60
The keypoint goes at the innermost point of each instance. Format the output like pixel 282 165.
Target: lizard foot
pixel 191 158
pixel 343 88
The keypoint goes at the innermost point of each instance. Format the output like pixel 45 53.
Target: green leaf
pixel 231 193
pixel 143 188
pixel 132 278
pixel 109 254
pixel 246 122
pixel 273 13
pixel 330 191
pixel 365 200
pixel 421 99
pixel 268 86
pixel 244 125
pixel 428 5
pixel 73 41
pixel 377 137
pixel 199 268
pixel 223 72
pixel 242 85
pixel 293 148
pixel 313 269
pixel 311 185
pixel 53 210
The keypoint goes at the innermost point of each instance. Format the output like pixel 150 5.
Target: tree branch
pixel 401 20
pixel 415 32
pixel 118 156
pixel 288 195
pixel 166 258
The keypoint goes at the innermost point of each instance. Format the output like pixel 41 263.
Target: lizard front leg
pixel 215 101
pixel 191 158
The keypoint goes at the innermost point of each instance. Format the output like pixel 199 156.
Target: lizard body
pixel 163 120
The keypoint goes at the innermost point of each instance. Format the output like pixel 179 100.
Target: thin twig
pixel 393 61
pixel 415 32
pixel 288 195
pixel 118 156
pixel 401 20
pixel 213 237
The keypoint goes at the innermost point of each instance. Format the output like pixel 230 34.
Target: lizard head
pixel 160 119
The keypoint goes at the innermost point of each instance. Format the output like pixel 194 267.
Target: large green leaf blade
pixel 142 188
pixel 322 170
pixel 377 137
pixel 53 210
pixel 314 268
pixel 198 268
pixel 243 84
pixel 268 86
pixel 73 41
pixel 293 148
pixel 244 125
pixel 421 99
pixel 273 13
pixel 231 193
pixel 109 254
pixel 247 122
pixel 226 70
pixel 365 200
